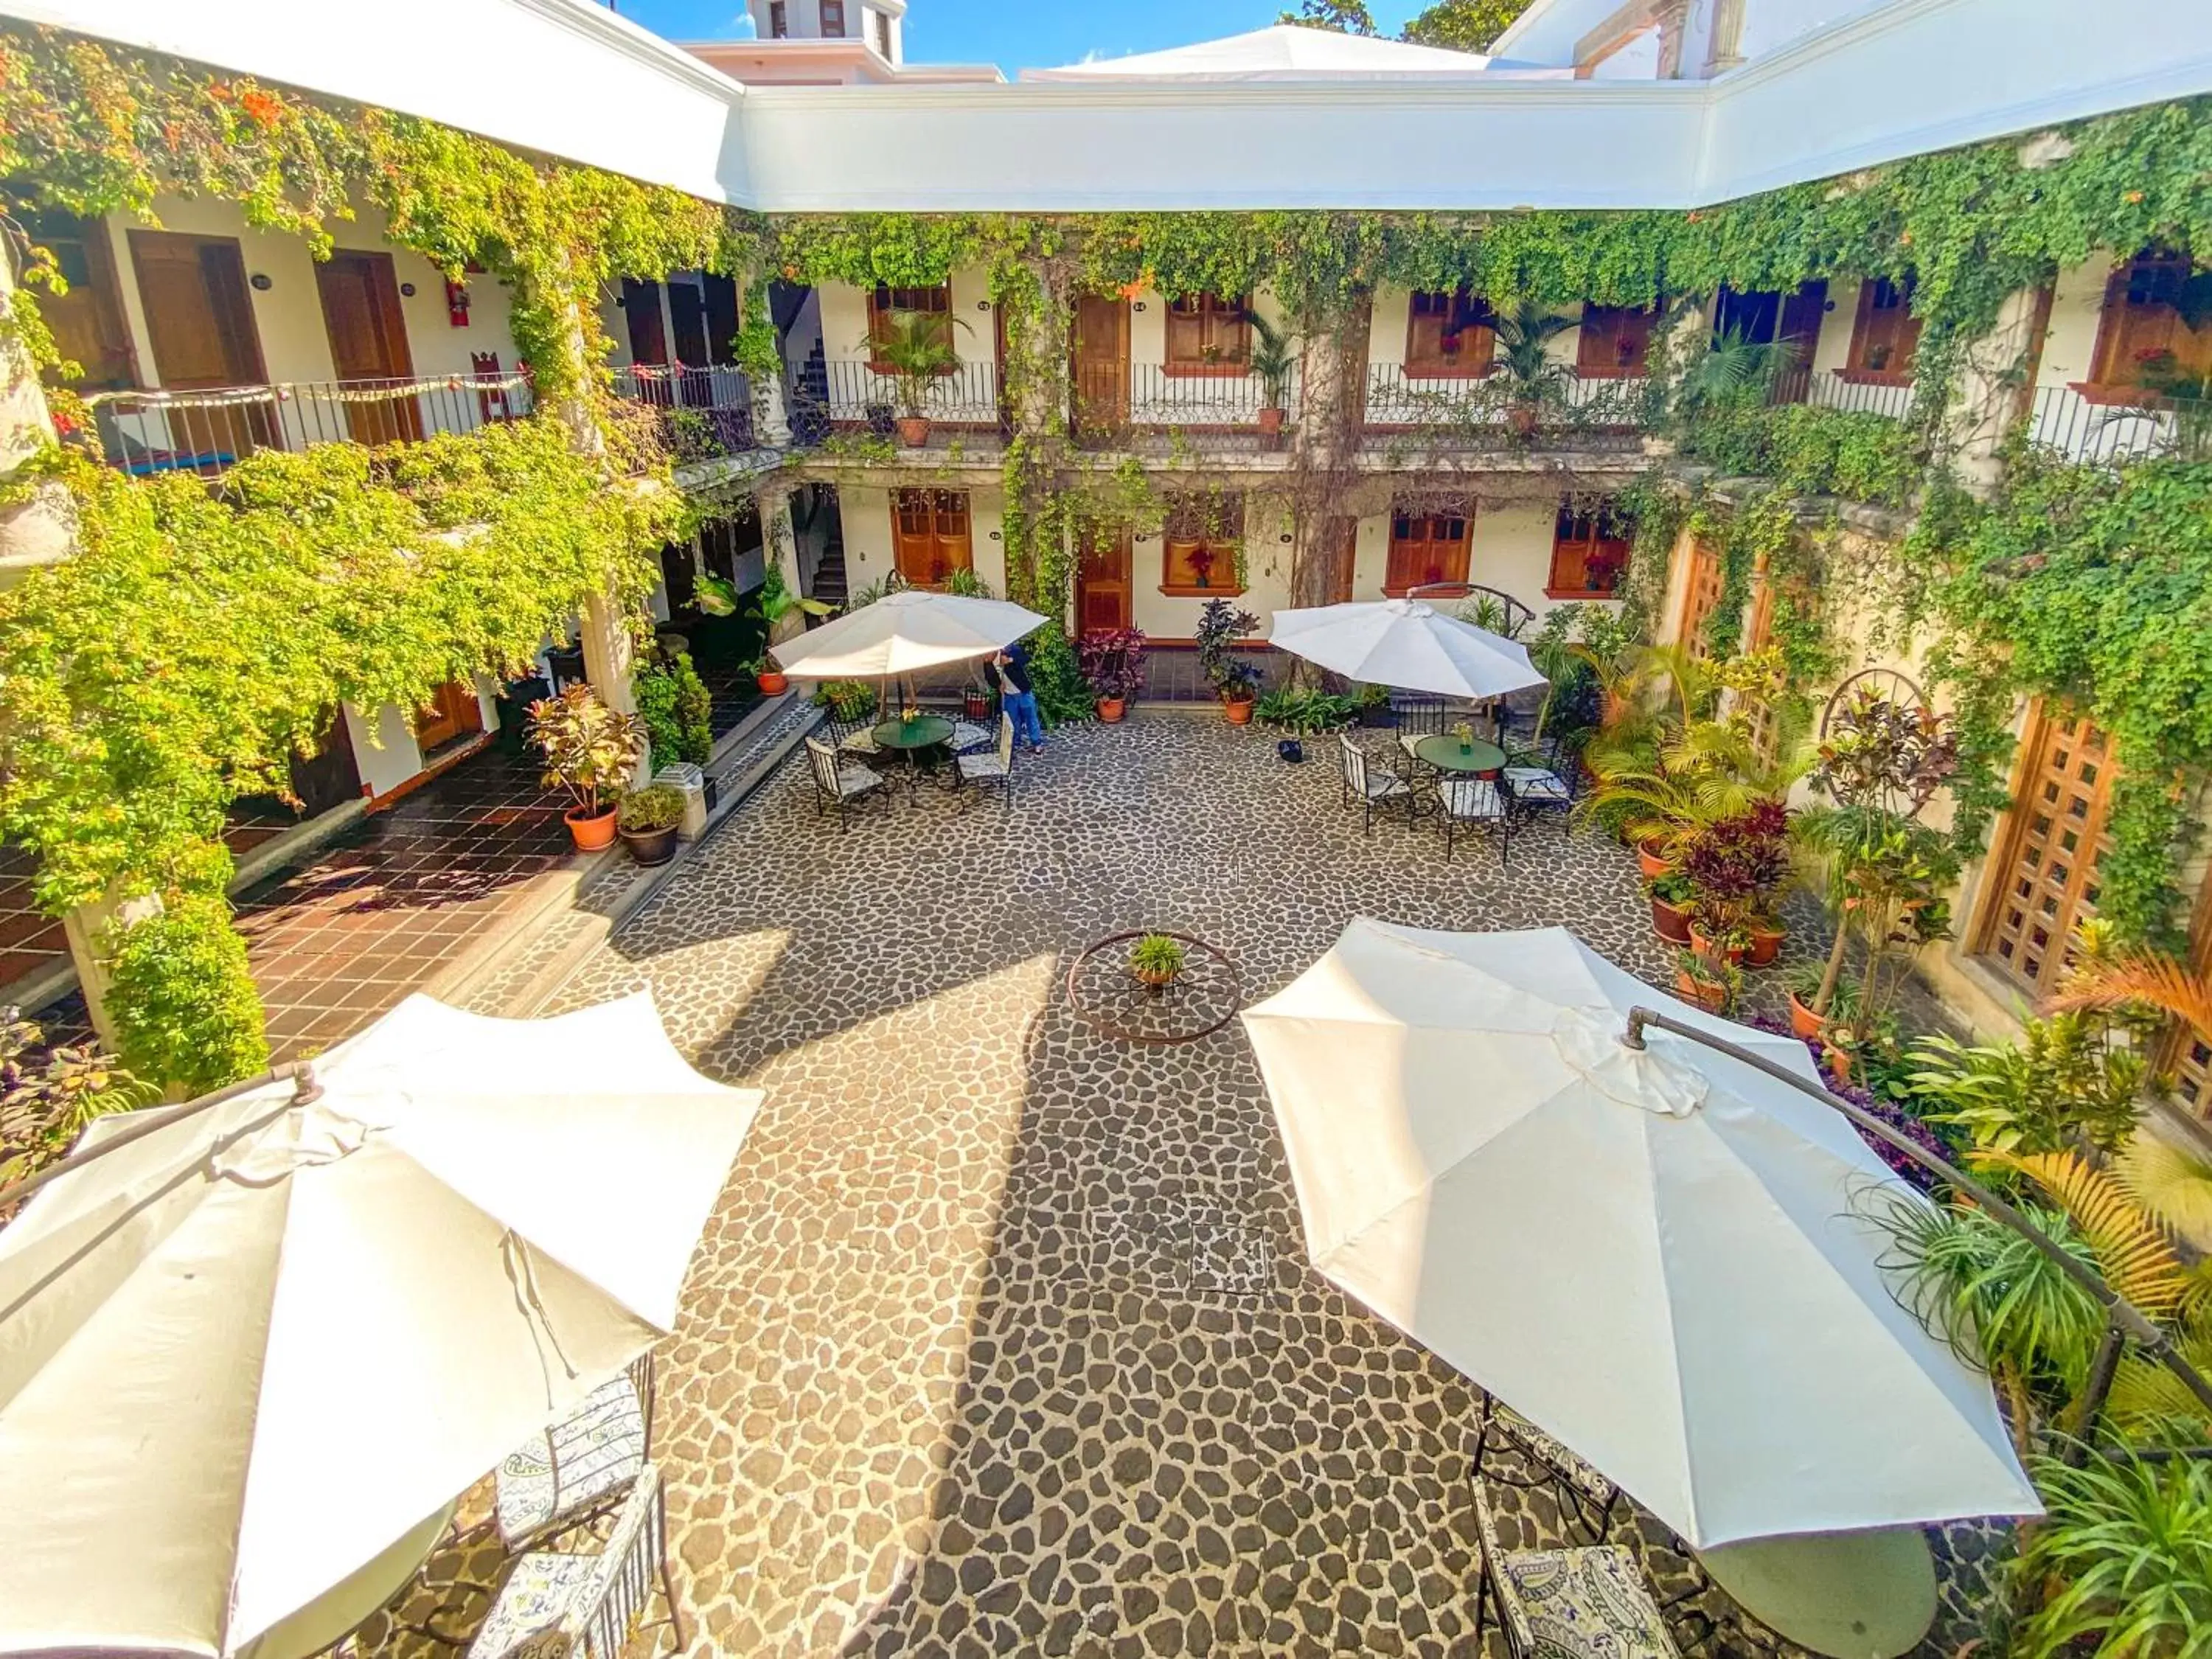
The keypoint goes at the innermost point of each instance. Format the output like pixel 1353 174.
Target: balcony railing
pixel 690 414
pixel 1824 389
pixel 849 394
pixel 1489 408
pixel 1149 405
pixel 2151 426
pixel 207 432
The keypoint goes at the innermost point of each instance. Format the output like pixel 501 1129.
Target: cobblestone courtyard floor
pixel 1002 1339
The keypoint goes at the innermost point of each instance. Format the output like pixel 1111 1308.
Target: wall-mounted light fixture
pixel 1284 538
pixel 260 281
pixel 994 535
pixel 1137 305
pixel 982 305
pixel 407 290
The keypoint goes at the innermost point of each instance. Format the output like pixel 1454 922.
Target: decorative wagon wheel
pixel 1202 997
pixel 1885 682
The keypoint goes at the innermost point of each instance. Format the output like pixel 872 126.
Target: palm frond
pixel 2141 977
pixel 2172 1183
pixel 2132 1251
pixel 2147 1400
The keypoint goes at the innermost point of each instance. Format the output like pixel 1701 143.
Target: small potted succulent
pixel 1156 961
pixel 1112 661
pixel 1710 983
pixel 1235 682
pixel 1671 906
pixel 647 819
pixel 592 752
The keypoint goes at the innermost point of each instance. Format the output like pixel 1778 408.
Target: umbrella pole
pixel 2124 1317
pixel 301 1073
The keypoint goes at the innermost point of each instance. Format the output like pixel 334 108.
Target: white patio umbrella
pixel 904 633
pixel 243 1354
pixel 1658 1257
pixel 1406 644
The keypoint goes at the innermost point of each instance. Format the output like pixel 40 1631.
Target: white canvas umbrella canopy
pixel 1655 1256
pixel 904 633
pixel 1406 644
pixel 242 1355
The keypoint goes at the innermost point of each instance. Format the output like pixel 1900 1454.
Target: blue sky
pixel 1011 33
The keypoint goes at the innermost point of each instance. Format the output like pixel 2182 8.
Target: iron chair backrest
pixel 1418 714
pixel 639 1371
pixel 1007 742
pixel 623 1588
pixel 1353 760
pixel 823 759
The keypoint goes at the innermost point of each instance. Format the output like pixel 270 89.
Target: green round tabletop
pixel 1443 752
pixel 1848 1595
pixel 914 734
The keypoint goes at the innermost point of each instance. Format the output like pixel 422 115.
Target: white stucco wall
pixel 384 748
pixel 2077 304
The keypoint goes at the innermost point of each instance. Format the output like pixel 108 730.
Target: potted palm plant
pixel 1273 360
pixel 913 347
pixel 647 818
pixel 592 752
pixel 1527 379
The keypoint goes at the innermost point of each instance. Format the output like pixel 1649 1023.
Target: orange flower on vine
pixel 260 107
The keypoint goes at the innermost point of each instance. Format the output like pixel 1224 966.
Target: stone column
pixel 1988 394
pixel 1037 398
pixel 603 631
pixel 41 530
pixel 83 927
pixel 771 420
pixel 1325 446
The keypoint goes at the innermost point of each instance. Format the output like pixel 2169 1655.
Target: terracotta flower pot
pixel 1649 864
pixel 772 682
pixel 1840 1064
pixel 1521 418
pixel 1711 998
pixel 1703 947
pixel 1804 1024
pixel 1110 710
pixel 1670 921
pixel 1766 944
pixel 1239 713
pixel 914 430
pixel 592 832
pixel 1271 422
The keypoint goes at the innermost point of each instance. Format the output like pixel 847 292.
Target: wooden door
pixel 1103 584
pixel 1427 549
pixel 87 322
pixel 1102 363
pixel 1701 596
pixel 930 534
pixel 368 343
pixel 453 713
pixel 200 323
pixel 2044 885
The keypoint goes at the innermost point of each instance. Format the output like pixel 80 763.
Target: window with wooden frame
pixel 886 305
pixel 1701 598
pixel 779 20
pixel 1199 547
pixel 1885 335
pixel 2156 322
pixel 883 22
pixel 1208 334
pixel 1589 551
pixel 1427 549
pixel 1448 334
pixel 1614 342
pixel 833 19
pixel 87 322
pixel 930 535
pixel 2042 883
pixel 2186 1054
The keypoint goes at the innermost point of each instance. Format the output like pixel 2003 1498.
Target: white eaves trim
pixel 571 79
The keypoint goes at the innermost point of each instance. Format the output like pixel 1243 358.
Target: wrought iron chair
pixel 1582 1493
pixel 1590 1603
pixel 1416 718
pixel 580 1467
pixel 557 1606
pixel 852 737
pixel 1485 804
pixel 996 768
pixel 1538 787
pixel 1366 786
pixel 838 784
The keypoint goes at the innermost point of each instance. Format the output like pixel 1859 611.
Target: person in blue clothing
pixel 1012 665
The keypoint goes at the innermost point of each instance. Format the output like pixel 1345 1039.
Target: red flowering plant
pixel 1735 866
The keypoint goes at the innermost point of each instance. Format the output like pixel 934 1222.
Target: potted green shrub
pixel 647 818
pixel 1112 661
pixel 780 609
pixel 913 347
pixel 1670 906
pixel 592 753
pixel 1528 379
pixel 1272 359
pixel 1156 961
pixel 1235 681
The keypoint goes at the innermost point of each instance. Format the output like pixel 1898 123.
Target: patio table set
pixel 1441 672
pixel 901 636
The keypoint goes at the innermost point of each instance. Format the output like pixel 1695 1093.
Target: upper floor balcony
pixel 208 430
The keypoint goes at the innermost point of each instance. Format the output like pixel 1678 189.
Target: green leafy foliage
pixel 2130 1540
pixel 656 806
pixel 1811 451
pixel 182 999
pixel 1302 712
pixel 1464 25
pixel 49 1094
pixel 678 711
pixel 1062 693
pixel 2064 1078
